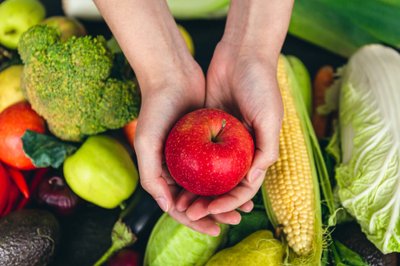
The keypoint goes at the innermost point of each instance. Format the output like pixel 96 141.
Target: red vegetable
pixel 19 180
pixel 14 197
pixel 14 121
pixel 4 188
pixel 33 185
pixel 54 192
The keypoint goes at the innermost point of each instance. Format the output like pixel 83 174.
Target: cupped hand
pixel 164 101
pixel 242 81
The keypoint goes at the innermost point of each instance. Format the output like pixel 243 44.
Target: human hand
pixel 242 82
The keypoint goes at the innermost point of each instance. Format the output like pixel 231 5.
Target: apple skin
pixel 208 152
pixel 16 17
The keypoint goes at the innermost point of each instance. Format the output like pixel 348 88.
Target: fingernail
pixel 215 231
pixel 256 174
pixel 162 202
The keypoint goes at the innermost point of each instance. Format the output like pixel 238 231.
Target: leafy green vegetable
pixel 171 242
pixel 344 256
pixel 343 26
pixel 45 150
pixel 251 222
pixel 368 171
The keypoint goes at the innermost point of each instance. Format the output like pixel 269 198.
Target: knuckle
pixel 146 184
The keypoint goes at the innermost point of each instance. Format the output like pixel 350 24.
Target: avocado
pixel 28 237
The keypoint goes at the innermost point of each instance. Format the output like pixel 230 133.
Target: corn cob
pixel 291 186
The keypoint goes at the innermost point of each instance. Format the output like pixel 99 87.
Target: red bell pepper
pixel 4 189
pixel 14 197
pixel 19 180
pixel 35 181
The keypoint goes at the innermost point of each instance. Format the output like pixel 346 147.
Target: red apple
pixel 208 152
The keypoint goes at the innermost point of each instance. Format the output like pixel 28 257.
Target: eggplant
pixel 134 225
pixel 141 215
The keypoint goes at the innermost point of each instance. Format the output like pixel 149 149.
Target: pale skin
pixel 241 79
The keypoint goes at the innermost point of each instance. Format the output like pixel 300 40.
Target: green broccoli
pixel 69 84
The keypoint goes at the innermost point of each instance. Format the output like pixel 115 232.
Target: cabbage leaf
pixel 368 174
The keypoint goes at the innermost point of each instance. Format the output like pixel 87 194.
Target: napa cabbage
pixel 368 171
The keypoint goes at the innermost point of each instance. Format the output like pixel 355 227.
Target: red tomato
pixel 14 121
pixel 130 131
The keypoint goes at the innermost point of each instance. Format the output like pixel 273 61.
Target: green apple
pixel 66 26
pixel 16 17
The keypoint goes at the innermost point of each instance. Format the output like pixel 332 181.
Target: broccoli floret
pixel 69 84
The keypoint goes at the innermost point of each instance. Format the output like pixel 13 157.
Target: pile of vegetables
pixel 68 108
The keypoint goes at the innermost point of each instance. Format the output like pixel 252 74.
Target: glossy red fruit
pixel 125 257
pixel 14 121
pixel 208 152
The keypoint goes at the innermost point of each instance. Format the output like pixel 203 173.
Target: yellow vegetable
pixel 291 191
pixel 258 249
pixel 10 86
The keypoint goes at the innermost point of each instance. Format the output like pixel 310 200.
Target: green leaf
pixel 250 223
pixel 45 150
pixel 343 255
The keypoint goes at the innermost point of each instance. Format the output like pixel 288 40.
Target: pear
pixel 10 86
pixel 66 26
pixel 258 249
pixel 16 17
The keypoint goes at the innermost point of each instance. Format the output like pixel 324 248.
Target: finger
pixel 184 200
pixel 150 169
pixel 247 207
pixel 232 217
pixel 198 209
pixel 236 197
pixel 266 126
pixel 206 225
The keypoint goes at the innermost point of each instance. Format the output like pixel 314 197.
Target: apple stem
pixel 223 124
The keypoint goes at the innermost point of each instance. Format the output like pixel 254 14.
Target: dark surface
pixel 28 238
pixel 350 235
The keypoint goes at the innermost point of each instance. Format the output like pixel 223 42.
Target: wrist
pixel 258 25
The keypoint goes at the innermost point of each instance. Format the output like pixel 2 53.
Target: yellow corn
pixel 289 182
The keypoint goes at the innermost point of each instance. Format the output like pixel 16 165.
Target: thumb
pixel 266 129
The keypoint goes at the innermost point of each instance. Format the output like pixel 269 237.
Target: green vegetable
pixel 69 84
pixel 368 170
pixel 101 172
pixel 258 249
pixel 171 243
pixel 303 78
pixel 343 255
pixel 343 26
pixel 45 150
